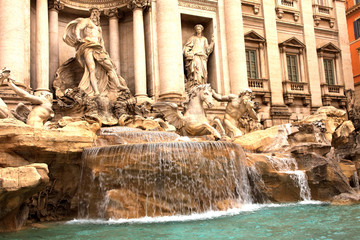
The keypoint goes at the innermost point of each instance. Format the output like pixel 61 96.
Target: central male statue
pixel 196 52
pixel 85 34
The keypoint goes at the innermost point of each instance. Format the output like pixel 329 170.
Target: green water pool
pixel 289 221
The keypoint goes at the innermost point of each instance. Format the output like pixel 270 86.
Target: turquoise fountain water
pixel 289 221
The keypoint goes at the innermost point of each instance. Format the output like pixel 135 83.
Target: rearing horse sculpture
pixel 194 121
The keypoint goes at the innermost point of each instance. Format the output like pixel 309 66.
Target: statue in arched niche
pixel 100 77
pixel 196 53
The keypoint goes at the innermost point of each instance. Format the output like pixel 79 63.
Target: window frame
pixel 356 25
pixel 329 62
pixel 248 66
pixel 292 63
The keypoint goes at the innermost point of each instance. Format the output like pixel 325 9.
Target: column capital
pixel 135 4
pixel 55 5
pixel 113 12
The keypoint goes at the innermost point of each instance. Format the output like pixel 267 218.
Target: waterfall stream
pixel 289 166
pixel 161 179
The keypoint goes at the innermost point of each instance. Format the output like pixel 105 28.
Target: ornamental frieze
pixel 207 5
pixel 87 4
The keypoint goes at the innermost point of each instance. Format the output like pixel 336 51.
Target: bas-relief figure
pixel 194 121
pixel 100 77
pixel 196 53
pixel 235 110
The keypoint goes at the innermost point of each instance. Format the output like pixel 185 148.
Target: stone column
pixel 171 73
pixel 235 46
pixel 311 54
pixel 12 28
pixel 42 46
pixel 339 7
pixel 137 7
pixel 54 7
pixel 114 37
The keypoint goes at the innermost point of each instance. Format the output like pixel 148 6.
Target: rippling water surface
pixel 309 220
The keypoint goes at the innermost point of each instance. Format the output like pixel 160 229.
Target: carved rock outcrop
pixel 47 188
pixel 16 186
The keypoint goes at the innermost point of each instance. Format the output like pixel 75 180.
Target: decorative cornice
pixel 207 5
pixel 353 9
pixel 55 5
pixel 134 4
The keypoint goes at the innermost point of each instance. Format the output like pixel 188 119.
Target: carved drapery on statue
pixel 102 61
pixel 88 84
pixel 196 53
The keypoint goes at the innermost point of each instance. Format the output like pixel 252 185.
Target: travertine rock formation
pixel 42 162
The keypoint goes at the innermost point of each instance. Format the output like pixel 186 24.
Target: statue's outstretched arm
pixel 220 98
pixel 24 94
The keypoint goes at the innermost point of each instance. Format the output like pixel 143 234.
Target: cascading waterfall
pixel 133 135
pixel 160 179
pixel 289 166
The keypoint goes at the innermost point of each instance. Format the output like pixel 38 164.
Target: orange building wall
pixel 354 44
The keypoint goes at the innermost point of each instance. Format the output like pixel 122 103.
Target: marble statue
pixel 99 77
pixel 4 111
pixel 196 53
pixel 42 111
pixel 194 121
pixel 236 108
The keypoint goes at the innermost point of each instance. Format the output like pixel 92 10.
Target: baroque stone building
pixel 293 54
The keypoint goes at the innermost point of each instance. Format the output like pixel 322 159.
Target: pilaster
pixel 279 112
pixel 235 45
pixel 346 66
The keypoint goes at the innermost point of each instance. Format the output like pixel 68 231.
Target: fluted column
pixel 137 7
pixel 42 46
pixel 12 25
pixel 54 7
pixel 114 37
pixel 235 46
pixel 171 75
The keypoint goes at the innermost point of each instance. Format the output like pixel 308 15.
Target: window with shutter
pixel 329 71
pixel 251 64
pixel 292 68
pixel 357 28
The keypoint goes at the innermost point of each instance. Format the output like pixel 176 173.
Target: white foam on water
pixel 193 217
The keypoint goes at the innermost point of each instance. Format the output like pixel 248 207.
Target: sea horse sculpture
pixel 194 121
